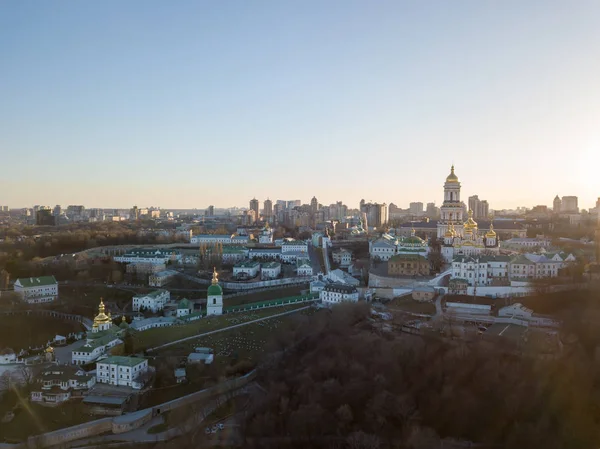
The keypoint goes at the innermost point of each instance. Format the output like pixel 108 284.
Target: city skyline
pixel 113 104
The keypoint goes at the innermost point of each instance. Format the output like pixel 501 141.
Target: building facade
pixel 122 371
pixel 408 265
pixel 153 301
pixel 337 293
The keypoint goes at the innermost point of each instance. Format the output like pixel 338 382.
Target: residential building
pixel 44 217
pixel 481 270
pixel 161 278
pixel 377 215
pixel 201 357
pixel 246 269
pixel 225 239
pixel 342 257
pixel 337 293
pixel 536 266
pixel 268 210
pixel 270 270
pixel 264 253
pixel 408 265
pixel 210 211
pixel 233 254
pixel 214 300
pixel 153 301
pixel 480 208
pixel 58 383
pixel 341 277
pixel 185 307
pixel 569 205
pixel 148 255
pixel 416 208
pixel 35 290
pixel 122 371
pixel 145 268
pixel 520 243
pixel 557 205
pixel 255 208
pixel 303 267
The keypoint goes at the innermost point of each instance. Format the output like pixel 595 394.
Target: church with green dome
pixel 214 300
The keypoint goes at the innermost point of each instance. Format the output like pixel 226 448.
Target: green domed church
pixel 214 300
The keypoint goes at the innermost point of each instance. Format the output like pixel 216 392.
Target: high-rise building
pixel 314 205
pixel 557 205
pixel 268 209
pixel 480 208
pixel 416 208
pixel 44 217
pixel 254 207
pixel 377 214
pixel 569 205
pixel 57 210
pixel 210 211
pixel 432 211
pixel 134 213
pixel 281 205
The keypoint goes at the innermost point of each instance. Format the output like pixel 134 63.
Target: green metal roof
pixel 214 290
pixel 122 360
pixel 37 281
pixel 184 304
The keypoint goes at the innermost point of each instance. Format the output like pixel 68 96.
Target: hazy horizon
pixel 184 105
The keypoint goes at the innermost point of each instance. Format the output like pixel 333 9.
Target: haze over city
pixel 113 104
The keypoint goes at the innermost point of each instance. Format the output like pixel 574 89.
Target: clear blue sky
pixel 191 103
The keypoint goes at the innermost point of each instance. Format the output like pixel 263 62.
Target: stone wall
pixel 131 421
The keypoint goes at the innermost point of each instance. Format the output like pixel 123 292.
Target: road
pixel 193 337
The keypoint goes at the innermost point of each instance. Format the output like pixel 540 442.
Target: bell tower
pixel 451 209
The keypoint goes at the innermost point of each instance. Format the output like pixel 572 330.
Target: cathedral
pixel 461 238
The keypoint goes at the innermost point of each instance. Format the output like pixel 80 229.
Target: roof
pixel 214 289
pixel 338 287
pixel 184 304
pixel 179 372
pixel 247 264
pixel 122 360
pixel 152 294
pixel 294 242
pixel 136 324
pixel 405 257
pixel 481 259
pixel 36 281
pixel 271 265
pixel 200 356
pixel 107 400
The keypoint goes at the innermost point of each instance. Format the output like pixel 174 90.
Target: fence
pixel 250 285
pixel 271 303
pixel 86 322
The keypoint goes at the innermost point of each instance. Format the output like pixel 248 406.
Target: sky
pixel 189 103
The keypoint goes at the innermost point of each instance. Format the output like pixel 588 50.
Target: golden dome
pixel 470 224
pixel 491 233
pixel 452 177
pixel 49 349
pixel 101 318
pixel 451 231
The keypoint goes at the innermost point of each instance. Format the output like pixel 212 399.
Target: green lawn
pixel 22 331
pixel 155 337
pixel 33 419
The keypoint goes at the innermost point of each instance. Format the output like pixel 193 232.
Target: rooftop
pixel 122 360
pixel 152 294
pixel 37 281
pixel 271 265
pixel 247 264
